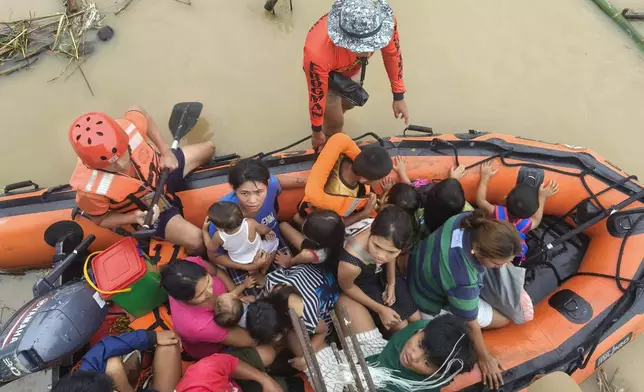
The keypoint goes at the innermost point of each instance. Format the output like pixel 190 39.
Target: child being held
pixel 230 308
pixel 241 237
pixel 523 206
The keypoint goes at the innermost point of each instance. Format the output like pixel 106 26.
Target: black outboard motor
pixel 57 322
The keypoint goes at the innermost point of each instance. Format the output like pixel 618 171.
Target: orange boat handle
pixel 92 285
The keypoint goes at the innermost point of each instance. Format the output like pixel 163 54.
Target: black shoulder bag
pixel 348 88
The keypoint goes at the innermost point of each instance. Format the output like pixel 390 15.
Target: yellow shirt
pixel 336 186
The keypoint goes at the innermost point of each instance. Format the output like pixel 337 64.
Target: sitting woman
pixel 255 190
pixel 446 270
pixel 193 297
pixel 308 289
pixel 423 356
pixel 320 241
pixel 360 271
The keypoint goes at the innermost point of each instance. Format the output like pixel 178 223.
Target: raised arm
pixel 545 192
pixel 487 171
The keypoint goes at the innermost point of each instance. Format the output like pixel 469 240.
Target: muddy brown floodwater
pixel 559 71
pixel 550 70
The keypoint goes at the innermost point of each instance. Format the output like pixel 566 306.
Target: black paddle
pixel 183 118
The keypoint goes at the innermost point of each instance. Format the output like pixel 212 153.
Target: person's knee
pixel 414 317
pixel 114 367
pixel 167 351
pixel 267 354
pixel 210 147
pixel 194 243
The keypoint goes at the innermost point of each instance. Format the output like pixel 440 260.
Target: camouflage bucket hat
pixel 361 25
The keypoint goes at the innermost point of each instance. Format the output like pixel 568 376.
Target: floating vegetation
pixel 22 42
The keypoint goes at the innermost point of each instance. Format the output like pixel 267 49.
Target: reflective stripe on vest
pixel 118 187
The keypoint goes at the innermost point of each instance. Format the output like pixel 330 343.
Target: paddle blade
pixel 183 118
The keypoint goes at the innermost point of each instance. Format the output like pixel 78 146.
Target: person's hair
pixel 267 318
pixel 372 163
pixel 229 316
pixel 394 224
pixel 180 277
pixel 324 229
pixel 522 201
pixel 84 381
pixel 248 170
pixel 406 197
pixel 226 215
pixel 441 337
pixel 493 238
pixel 442 201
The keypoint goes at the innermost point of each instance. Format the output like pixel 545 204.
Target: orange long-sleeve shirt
pixel 321 56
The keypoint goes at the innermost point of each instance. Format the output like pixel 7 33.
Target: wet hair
pixel 324 229
pixel 228 316
pixel 226 215
pixel 394 224
pixel 522 201
pixel 84 381
pixel 268 318
pixel 493 238
pixel 442 201
pixel 441 335
pixel 180 277
pixel 248 170
pixel 406 197
pixel 372 163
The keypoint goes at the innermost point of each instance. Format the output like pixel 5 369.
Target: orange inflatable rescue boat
pixel 584 268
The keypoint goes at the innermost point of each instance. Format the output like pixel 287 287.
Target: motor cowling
pixel 48 329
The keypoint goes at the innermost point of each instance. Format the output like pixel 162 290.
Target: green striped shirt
pixel 443 273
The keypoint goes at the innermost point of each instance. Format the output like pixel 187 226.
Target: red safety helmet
pixel 97 139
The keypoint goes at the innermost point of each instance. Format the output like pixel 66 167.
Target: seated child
pixel 320 241
pixel 239 236
pixel 339 177
pixel 230 307
pixel 523 206
pixel 114 364
pixel 429 203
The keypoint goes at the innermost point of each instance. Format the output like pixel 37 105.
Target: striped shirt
pixel 318 288
pixel 443 273
pixel 523 226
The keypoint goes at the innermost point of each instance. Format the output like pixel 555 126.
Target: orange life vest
pixel 163 252
pixel 160 320
pixel 117 187
pixel 337 146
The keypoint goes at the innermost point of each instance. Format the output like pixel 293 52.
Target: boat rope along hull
pixel 524 349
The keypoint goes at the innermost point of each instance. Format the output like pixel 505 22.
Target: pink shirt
pixel 196 326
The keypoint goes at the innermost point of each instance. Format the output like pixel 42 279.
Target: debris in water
pixel 605 385
pixel 105 33
pixel 124 6
pixel 22 42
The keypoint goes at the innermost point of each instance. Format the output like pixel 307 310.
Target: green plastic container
pixel 123 267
